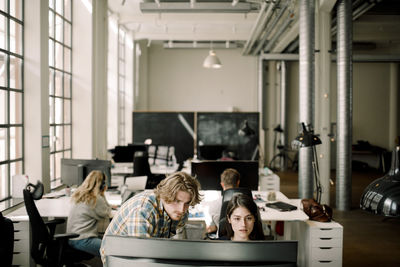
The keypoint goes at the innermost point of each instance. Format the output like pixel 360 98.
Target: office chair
pixel 226 197
pixel 7 240
pixel 48 249
pixel 141 167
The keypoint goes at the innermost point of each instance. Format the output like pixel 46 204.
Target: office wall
pixel 371 91
pixel 176 80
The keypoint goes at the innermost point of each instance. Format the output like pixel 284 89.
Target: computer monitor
pixel 127 251
pixel 211 152
pixel 126 153
pixel 74 171
pixel 208 172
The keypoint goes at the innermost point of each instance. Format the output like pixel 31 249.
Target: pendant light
pixel 212 61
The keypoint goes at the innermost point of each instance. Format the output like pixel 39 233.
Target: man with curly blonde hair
pixel 159 213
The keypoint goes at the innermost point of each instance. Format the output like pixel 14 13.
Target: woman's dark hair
pixel 242 200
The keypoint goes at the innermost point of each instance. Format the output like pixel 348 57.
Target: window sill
pixel 9 205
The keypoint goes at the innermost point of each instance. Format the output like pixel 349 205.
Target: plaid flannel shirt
pixel 143 216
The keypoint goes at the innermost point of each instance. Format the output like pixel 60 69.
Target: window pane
pixel 15 168
pixel 59 56
pixel 52 173
pixel 59 29
pixel 59 6
pixel 15 142
pixel 3 181
pixel 15 107
pixel 3 32
pixel 16 9
pixel 3 106
pixel 15 37
pixel 3 144
pixel 67 137
pixel 52 139
pixel 59 138
pixel 59 89
pixel 67 9
pixel 67 59
pixel 3 5
pixel 67 111
pixel 51 53
pixel 58 110
pixel 67 85
pixel 67 34
pixel 51 110
pixel 51 82
pixel 51 24
pixel 3 69
pixel 15 72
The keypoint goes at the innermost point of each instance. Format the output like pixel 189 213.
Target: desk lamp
pixel 307 139
pixel 382 196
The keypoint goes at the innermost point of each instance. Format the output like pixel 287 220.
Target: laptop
pixel 136 183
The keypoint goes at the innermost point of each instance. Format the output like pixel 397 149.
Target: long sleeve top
pixel 83 218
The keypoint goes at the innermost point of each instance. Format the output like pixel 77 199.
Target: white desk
pixel 59 207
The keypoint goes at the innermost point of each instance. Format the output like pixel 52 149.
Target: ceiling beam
pixel 210 7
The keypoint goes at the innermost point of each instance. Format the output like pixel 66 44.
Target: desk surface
pixel 59 207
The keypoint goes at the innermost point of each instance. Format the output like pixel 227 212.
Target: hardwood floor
pixel 369 240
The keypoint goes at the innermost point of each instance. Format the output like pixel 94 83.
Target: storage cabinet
pixel 322 246
pixel 21 255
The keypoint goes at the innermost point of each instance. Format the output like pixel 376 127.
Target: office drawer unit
pixel 323 244
pixel 21 255
pixel 269 182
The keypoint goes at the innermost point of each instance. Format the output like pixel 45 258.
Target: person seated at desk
pixel 243 220
pixel 230 178
pixel 162 212
pixel 89 207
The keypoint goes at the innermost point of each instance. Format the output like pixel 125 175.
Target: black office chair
pixel 226 197
pixel 7 240
pixel 48 249
pixel 141 167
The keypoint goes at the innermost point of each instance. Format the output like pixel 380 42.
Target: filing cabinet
pixel 322 246
pixel 21 255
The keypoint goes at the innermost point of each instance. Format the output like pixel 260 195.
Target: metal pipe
pixel 344 105
pixel 257 26
pixel 279 33
pixel 269 29
pixel 283 162
pixel 306 92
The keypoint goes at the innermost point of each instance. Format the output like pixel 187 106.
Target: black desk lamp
pixel 245 130
pixel 308 139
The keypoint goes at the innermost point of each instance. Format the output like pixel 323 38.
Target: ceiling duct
pixel 197 7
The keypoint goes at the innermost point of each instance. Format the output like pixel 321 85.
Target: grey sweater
pixel 83 218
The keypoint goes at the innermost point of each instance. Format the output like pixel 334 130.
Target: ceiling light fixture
pixel 212 61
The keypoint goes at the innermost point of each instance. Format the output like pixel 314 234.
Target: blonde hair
pixel 88 191
pixel 168 188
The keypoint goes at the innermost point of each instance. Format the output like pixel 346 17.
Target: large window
pixel 11 93
pixel 60 81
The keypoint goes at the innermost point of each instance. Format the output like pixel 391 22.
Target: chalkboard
pixel 221 128
pixel 166 128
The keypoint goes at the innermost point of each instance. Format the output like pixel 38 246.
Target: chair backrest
pixel 6 241
pixel 226 197
pixel 40 233
pixel 141 166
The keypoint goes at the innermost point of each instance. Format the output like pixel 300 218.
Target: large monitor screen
pixel 208 173
pixel 128 251
pixel 74 171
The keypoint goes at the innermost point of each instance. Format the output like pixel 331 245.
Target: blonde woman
pixel 89 207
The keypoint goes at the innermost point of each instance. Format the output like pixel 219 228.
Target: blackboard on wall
pixel 221 128
pixel 165 128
